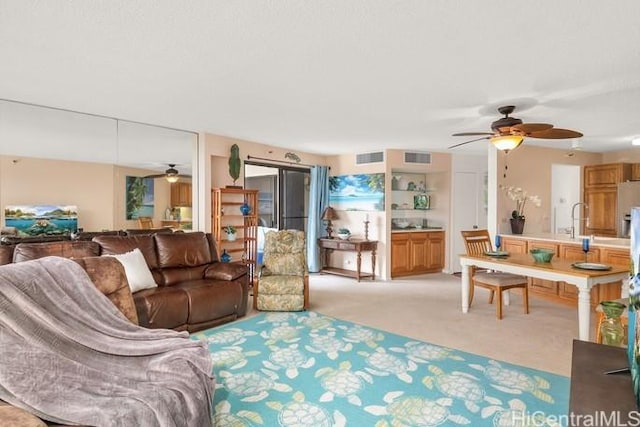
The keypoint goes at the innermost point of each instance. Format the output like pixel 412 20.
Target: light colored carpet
pixel 428 308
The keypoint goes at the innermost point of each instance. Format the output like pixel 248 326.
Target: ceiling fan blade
pixel 556 133
pixel 467 142
pixel 472 133
pixel 528 128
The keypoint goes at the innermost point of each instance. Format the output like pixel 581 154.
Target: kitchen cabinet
pixel 181 194
pixel 601 195
pixel 416 252
pixel 561 291
pixel 543 286
pixel 225 210
pixel 606 175
pixel 602 214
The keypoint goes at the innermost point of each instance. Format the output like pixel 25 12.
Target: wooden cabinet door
pixel 400 254
pixel 575 253
pixel 514 246
pixel 419 250
pixel 612 291
pixel 606 175
pixel 602 211
pixel 549 287
pixel 435 260
pixel 180 194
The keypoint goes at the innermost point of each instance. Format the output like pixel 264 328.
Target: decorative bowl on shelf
pixel 402 223
pixel 344 236
pixel 542 255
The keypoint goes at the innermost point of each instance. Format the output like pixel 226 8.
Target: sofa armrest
pixel 225 271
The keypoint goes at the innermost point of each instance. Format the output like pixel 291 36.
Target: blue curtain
pixel 318 201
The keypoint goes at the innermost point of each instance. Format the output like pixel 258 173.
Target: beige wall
pixel 216 167
pixel 631 155
pixel 529 167
pixel 97 189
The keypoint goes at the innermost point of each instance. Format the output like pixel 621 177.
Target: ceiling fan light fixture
pixel 172 174
pixel 507 142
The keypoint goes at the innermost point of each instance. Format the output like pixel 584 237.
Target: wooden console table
pixel 351 245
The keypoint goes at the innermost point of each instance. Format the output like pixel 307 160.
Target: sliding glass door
pixel 283 194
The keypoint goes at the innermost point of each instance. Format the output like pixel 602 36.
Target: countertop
pixel 610 242
pixel 414 229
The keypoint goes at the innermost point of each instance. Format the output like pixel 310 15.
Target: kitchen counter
pixel 608 242
pixel 414 229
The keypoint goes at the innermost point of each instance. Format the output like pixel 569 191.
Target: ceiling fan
pixel 172 175
pixel 509 132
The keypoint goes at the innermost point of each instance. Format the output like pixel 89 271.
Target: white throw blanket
pixel 68 355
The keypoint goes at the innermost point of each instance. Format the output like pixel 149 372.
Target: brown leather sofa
pixel 195 291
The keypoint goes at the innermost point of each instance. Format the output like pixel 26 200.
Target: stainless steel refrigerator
pixel 628 197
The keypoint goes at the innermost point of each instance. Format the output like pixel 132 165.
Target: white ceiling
pixel 333 76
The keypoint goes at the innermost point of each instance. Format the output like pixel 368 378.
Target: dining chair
pixel 145 222
pixel 478 242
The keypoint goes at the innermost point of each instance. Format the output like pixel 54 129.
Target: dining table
pixel 583 276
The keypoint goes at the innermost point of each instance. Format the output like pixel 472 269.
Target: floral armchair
pixel 283 281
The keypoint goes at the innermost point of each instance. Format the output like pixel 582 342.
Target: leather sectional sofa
pixel 195 291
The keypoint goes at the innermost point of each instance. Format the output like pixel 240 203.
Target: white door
pixel 565 192
pixel 469 209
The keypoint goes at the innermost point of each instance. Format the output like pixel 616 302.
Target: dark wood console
pixel 351 245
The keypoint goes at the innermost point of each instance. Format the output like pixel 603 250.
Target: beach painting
pixel 37 220
pixel 358 192
pixel 139 197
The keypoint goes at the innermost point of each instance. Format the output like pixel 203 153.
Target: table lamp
pixel 329 215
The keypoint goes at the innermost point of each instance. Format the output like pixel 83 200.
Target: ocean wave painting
pixel 357 192
pixel 36 220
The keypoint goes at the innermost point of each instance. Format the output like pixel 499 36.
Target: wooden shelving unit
pixel 225 210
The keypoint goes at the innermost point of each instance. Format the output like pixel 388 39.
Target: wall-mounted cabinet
pixel 601 195
pixel 181 194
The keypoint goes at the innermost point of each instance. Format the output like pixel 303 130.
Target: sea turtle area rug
pixel 307 369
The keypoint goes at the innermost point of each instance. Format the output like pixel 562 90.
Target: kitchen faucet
pixel 573 217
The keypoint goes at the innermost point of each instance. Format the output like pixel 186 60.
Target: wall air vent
pixel 417 157
pixel 368 158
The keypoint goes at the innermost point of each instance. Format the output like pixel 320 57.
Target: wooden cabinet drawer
pixel 514 246
pixel 543 286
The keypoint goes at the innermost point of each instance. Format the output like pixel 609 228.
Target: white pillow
pixel 135 267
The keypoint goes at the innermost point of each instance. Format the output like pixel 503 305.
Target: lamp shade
pixel 329 214
pixel 507 142
pixel 172 174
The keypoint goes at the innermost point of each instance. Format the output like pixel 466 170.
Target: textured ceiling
pixel 333 76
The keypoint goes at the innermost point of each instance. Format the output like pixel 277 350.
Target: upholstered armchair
pixel 283 280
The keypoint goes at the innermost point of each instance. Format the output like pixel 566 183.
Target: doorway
pixel 565 191
pixel 283 194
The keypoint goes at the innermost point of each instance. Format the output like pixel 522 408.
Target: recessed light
pixel 635 141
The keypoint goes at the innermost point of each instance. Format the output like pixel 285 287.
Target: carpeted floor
pixel 309 369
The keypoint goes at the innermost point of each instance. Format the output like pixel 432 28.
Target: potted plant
pixel 521 197
pixel 344 233
pixel 231 232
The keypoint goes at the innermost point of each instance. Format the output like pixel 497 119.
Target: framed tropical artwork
pixel 358 192
pixel 139 193
pixel 37 220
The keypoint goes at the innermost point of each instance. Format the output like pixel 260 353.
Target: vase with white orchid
pixel 521 197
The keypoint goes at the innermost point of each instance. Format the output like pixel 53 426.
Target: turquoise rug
pixel 307 369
